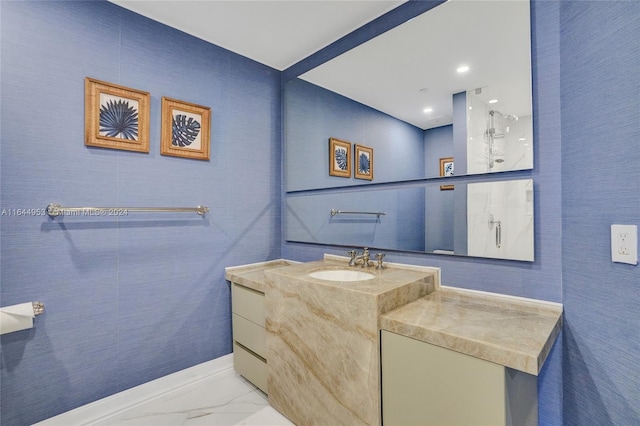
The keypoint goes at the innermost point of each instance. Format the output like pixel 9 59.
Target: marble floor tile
pixel 225 399
pixel 267 416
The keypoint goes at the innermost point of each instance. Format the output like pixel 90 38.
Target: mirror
pixel 485 219
pixel 399 94
pixel 377 93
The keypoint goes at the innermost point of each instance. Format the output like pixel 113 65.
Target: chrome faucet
pixel 355 258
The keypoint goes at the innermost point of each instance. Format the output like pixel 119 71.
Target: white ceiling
pixel 389 71
pixel 275 33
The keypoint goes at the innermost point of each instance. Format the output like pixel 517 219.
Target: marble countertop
pixel 252 275
pixel 384 280
pixel 514 332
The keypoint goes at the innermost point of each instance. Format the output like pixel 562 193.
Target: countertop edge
pixel 527 362
pixel 525 302
pixel 258 265
pixel 238 274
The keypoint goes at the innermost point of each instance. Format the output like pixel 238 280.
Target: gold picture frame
pixel 363 162
pixel 339 158
pixel 185 129
pixel 115 117
pixel 446 169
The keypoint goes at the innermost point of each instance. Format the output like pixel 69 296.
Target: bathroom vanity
pixel 348 345
pixel 323 341
pixel 248 285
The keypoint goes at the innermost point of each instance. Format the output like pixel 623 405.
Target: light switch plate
pixel 624 244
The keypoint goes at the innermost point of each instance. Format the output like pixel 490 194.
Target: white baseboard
pixel 112 405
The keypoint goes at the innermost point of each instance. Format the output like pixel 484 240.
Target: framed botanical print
pixel 446 169
pixel 339 158
pixel 446 166
pixel 115 117
pixel 363 162
pixel 185 129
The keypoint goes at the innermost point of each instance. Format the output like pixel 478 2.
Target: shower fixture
pixel 496 129
pixel 498 223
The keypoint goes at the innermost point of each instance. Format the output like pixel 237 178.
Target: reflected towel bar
pixel 335 212
pixel 54 210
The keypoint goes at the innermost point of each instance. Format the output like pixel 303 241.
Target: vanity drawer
pixel 248 303
pixel 250 335
pixel 250 366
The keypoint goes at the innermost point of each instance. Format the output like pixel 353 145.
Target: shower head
pixel 509 117
pixel 498 125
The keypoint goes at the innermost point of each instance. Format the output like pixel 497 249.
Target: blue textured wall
pixel 438 143
pixel 439 207
pixel 133 298
pixel 439 218
pixel 600 82
pixel 460 132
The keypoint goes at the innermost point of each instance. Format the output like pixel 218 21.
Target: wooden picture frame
pixel 363 162
pixel 115 117
pixel 185 129
pixel 446 169
pixel 339 158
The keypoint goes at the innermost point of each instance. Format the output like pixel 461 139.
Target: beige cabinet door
pixel 423 384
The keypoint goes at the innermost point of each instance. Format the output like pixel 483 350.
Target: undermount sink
pixel 341 275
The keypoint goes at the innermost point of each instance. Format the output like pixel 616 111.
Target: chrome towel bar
pixel 54 210
pixel 335 212
pixel 38 308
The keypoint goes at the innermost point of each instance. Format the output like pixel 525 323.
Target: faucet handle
pixel 353 254
pixel 365 258
pixel 380 256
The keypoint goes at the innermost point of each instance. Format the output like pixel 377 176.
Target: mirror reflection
pixel 447 93
pixel 485 219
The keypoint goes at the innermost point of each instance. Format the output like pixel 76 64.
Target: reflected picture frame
pixel 363 162
pixel 339 158
pixel 115 117
pixel 185 130
pixel 446 169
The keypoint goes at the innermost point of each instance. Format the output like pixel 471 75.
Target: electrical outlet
pixel 624 244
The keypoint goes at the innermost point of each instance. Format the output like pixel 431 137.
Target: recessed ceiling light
pixel 493 101
pixel 427 110
pixel 462 68
pixel 522 139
